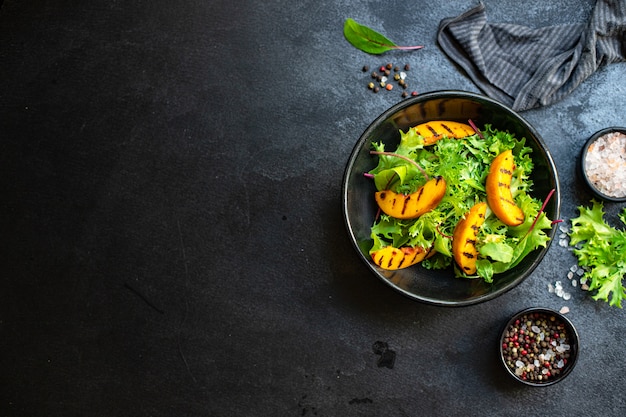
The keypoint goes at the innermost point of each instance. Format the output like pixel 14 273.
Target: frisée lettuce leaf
pixel 601 251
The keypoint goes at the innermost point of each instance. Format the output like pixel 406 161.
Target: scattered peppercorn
pixel 381 78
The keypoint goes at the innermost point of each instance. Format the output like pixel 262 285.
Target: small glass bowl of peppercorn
pixel 603 164
pixel 539 347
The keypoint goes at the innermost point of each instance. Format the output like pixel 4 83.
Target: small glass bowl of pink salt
pixel 603 164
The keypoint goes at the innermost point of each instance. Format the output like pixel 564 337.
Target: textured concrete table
pixel 172 238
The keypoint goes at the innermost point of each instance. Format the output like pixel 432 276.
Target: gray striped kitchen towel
pixel 527 67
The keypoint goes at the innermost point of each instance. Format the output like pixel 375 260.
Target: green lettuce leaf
pixel 500 252
pixel 601 251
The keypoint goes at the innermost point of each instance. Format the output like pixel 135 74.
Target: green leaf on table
pixel 368 40
pixel 601 251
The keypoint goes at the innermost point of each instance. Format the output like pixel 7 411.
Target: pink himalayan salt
pixel 605 164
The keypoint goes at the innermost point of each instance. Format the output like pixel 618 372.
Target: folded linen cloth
pixel 527 67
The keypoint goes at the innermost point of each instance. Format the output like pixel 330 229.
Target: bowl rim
pixel 439 94
pixel 574 341
pixel 583 164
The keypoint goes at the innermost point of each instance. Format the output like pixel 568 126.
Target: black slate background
pixel 172 240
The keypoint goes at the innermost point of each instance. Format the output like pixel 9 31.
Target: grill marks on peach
pixel 435 130
pixel 411 206
pixel 465 237
pixel 504 187
pixel 432 130
pixel 471 243
pixel 498 188
pixel 407 199
pixel 445 126
pixel 391 258
pixel 442 130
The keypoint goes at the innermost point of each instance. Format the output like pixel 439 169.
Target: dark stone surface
pixel 172 239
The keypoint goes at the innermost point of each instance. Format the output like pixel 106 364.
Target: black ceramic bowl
pixel 440 287
pixel 539 347
pixel 591 179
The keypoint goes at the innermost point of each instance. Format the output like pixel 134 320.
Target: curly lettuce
pixel 601 251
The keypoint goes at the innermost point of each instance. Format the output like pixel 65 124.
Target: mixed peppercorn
pixel 382 78
pixel 536 347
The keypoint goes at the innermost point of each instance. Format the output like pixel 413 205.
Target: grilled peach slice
pixel 435 130
pixel 397 258
pixel 464 238
pixel 411 206
pixel 498 187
